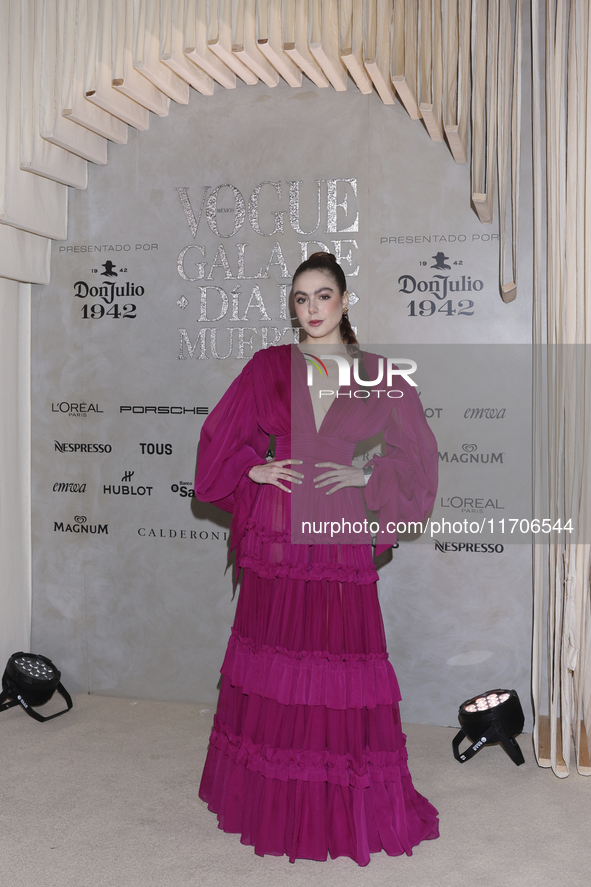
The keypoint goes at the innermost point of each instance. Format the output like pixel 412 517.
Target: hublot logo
pixel 125 489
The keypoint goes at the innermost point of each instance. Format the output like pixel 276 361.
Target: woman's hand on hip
pixel 275 472
pixel 341 475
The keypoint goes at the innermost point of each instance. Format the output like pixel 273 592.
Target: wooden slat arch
pixel 79 72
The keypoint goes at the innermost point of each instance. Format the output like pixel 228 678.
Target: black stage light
pixel 30 680
pixel 494 716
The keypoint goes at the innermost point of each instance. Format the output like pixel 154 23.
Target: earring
pixel 345 312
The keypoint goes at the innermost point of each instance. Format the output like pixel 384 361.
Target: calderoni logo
pixel 82 447
pixel 75 410
pixel 470 547
pixel 469 456
pixel 80 526
pixel 68 487
pixel 470 504
pixel 188 535
pixel 164 410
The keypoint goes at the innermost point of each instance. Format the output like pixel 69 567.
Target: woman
pixel 307 756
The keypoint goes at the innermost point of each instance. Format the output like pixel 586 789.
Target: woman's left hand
pixel 341 475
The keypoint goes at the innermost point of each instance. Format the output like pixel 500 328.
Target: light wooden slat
pixel 457 132
pixel 431 68
pixel 503 114
pixel 195 45
pixel 125 77
pixel 33 203
pixel 244 42
pixel 509 291
pixel 425 51
pixel 464 84
pixel 323 39
pixel 377 33
pixel 437 86
pixel 584 756
pixel 52 124
pixel 351 44
pixel 172 14
pixel 36 154
pixel 451 47
pixel 479 44
pixel 405 24
pixel 146 54
pixel 294 20
pixel 75 104
pixel 98 74
pixel 540 557
pixel 270 41
pixel 545 746
pixel 508 120
pixel 219 39
pixel 586 333
pixel 483 201
pixel 23 256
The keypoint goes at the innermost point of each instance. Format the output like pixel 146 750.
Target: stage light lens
pixel 492 717
pixel 34 667
pixel 30 680
pixel 483 703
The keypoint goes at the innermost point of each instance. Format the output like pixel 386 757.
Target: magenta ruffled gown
pixel 307 757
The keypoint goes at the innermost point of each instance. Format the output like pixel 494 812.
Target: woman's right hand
pixel 275 472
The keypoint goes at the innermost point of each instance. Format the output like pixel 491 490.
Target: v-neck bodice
pixel 271 397
pixel 301 379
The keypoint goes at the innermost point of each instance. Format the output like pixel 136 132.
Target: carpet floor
pixel 106 796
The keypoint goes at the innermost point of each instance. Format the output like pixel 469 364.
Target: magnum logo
pixel 469 455
pixel 81 526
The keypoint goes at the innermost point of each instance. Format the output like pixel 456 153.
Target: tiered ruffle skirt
pixel 307 757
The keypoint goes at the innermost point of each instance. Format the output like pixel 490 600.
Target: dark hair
pixel 322 261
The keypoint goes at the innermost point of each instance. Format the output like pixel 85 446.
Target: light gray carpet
pixel 106 796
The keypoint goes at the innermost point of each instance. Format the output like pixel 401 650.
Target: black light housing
pixel 494 716
pixel 31 680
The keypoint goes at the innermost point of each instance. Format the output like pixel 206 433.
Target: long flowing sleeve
pixel 231 442
pixel 403 484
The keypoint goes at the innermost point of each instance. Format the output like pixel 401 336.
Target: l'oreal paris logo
pixel 392 369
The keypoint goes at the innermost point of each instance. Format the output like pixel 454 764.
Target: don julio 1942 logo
pixel 107 293
pixel 440 294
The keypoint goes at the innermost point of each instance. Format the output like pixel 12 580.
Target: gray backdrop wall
pixel 177 266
